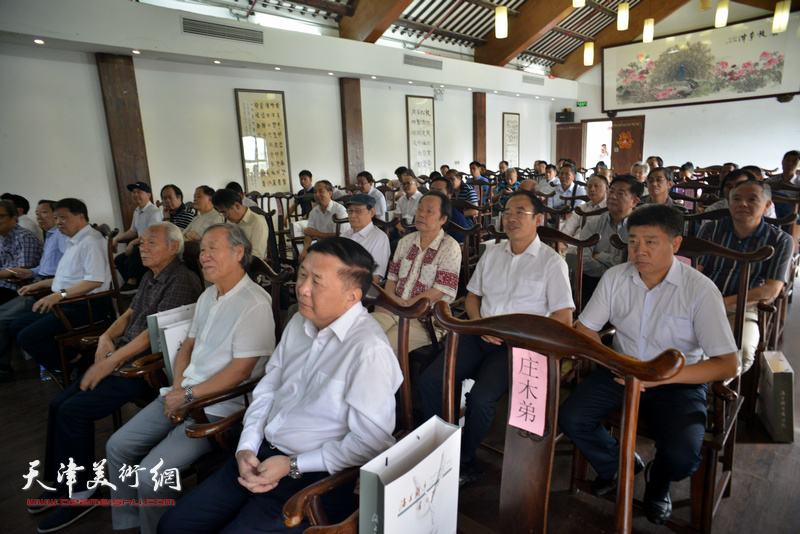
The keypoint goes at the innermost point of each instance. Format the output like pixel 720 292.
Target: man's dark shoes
pixel 66 515
pixel 468 472
pixel 605 487
pixel 41 501
pixel 657 504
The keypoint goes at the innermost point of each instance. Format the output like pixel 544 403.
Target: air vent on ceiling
pixel 416 61
pixel 535 80
pixel 221 31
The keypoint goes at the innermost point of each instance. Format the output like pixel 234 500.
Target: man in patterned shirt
pixel 425 264
pixel 70 429
pixel 19 247
pixel 746 231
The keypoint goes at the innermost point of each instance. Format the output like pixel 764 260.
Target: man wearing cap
pixel 129 263
pixel 360 211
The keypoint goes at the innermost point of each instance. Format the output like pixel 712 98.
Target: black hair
pixel 658 159
pixel 450 189
pixel 688 166
pixel 305 173
pixel 327 184
pixel 598 176
pixel 755 170
pixel 10 207
pixel 538 205
pixel 476 163
pixel 75 207
pixel 637 187
pixel 207 190
pixel 235 186
pixel 733 175
pixel 175 188
pixel 400 171
pixel 665 217
pixel 569 166
pixel 226 198
pixel 667 173
pixel 19 202
pixel 446 207
pixel 795 153
pixel 358 263
pixel 550 166
pixel 734 165
pixel 504 161
pixel 52 203
pixel 367 175
pixel 434 175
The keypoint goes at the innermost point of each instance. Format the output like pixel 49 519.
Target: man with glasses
pixel 366 184
pixel 320 220
pixel 623 196
pixel 659 182
pixel 407 204
pixel 360 211
pixel 229 204
pixel 522 276
pixel 566 187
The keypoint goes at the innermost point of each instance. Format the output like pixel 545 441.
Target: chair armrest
pixel 294 509
pixel 143 366
pixel 723 392
pixel 90 341
pixel 205 430
pixel 186 410
pixel 348 526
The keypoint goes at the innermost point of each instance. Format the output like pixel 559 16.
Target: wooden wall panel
pixel 479 127
pixel 352 134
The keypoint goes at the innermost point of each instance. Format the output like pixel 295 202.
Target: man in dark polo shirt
pixel 70 426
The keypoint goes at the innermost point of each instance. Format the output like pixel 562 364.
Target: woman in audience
pixel 206 214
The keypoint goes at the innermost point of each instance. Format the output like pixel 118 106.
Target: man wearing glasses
pixel 623 196
pixel 229 204
pixel 360 211
pixel 366 184
pixel 520 276
pixel 659 182
pixel 407 204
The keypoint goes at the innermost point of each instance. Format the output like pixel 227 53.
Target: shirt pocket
pixel 528 296
pixel 676 333
pixel 325 397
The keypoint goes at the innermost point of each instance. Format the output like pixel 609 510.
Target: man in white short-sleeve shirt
pixel 326 403
pixel 656 303
pixel 360 211
pixel 231 331
pixel 129 263
pixel 320 220
pixel 520 276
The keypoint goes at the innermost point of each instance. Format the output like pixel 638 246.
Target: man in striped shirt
pixel 175 211
pixel 746 231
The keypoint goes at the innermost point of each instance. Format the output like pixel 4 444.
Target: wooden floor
pixel 765 497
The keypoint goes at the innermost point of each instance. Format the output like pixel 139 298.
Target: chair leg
pixel 579 469
pixel 65 368
pixel 703 485
pixel 116 417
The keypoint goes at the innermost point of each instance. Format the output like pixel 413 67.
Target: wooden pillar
pixel 352 134
pixel 479 127
pixel 125 132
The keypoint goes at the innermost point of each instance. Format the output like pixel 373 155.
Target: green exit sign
pixel 581 104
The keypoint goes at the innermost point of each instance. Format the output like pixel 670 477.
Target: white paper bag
pixel 412 488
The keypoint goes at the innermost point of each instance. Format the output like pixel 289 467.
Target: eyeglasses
pixel 224 213
pixel 507 214
pixel 408 183
pixel 656 180
pixel 355 211
pixel 614 192
pixel 362 183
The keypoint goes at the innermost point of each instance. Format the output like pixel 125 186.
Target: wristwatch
pixel 294 472
pixel 63 294
pixel 189 396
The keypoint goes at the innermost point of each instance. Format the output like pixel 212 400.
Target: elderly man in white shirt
pixel 82 270
pixel 407 204
pixel 596 190
pixel 655 302
pixel 566 187
pixel 521 276
pixel 320 220
pixel 129 263
pixel 360 211
pixel 326 403
pixel 232 330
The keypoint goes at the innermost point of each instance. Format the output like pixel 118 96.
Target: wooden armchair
pixel 554 216
pixel 484 210
pixel 528 459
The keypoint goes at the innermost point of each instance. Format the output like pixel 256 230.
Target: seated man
pixel 659 182
pixel 462 191
pixel 508 184
pixel 70 428
pixel 548 181
pixel 686 172
pixel 19 247
pixel 306 188
pixel 529 185
pixel 366 184
pixel 232 329
pixel 655 302
pixel 623 196
pixel 206 214
pixel 23 207
pixel 54 246
pixel 175 211
pixel 425 264
pixel 596 190
pixel 129 263
pixel 246 201
pixel 360 211
pixel 522 276
pixel 228 203
pixel 83 270
pixel 789 167
pixel 326 403
pixel 445 187
pixel 640 170
pixel 654 162
pixel 477 171
pixel 746 231
pixel 320 221
pixel 566 187
pixel 408 202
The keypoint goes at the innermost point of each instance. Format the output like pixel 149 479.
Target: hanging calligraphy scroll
pixel 421 143
pixel 511 139
pixel 264 141
pixel 740 61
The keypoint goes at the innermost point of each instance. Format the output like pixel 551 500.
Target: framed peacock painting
pixel 741 61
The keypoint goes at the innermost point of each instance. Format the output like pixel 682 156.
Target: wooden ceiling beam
pixel 604 9
pixel 543 56
pixel 573 34
pixel 536 17
pixel 573 67
pixel 492 5
pixel 371 18
pixel 416 26
pixel 343 10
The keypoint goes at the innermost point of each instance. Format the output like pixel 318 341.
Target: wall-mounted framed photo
pixel 740 61
pixel 263 140
pixel 511 139
pixel 420 125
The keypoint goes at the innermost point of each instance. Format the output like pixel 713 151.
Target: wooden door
pixel 569 142
pixel 627 143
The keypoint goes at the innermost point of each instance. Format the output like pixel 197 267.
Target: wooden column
pixel 479 127
pixel 352 134
pixel 125 132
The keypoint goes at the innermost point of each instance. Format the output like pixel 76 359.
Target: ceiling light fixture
pixel 623 16
pixel 374 77
pixel 780 21
pixel 277 68
pixel 469 88
pixel 135 52
pixel 330 74
pixel 705 5
pixel 501 22
pixel 217 62
pixel 578 3
pixel 649 29
pixel 495 92
pixel 441 86
pixel 409 81
pixel 588 54
pixel 721 18
pixel 38 41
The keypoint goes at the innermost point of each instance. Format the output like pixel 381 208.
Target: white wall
pixel 536 117
pixel 53 134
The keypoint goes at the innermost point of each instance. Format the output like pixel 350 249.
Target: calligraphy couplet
pixel 528 391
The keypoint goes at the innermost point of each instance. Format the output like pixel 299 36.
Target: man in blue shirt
pixel 444 186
